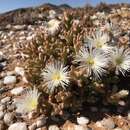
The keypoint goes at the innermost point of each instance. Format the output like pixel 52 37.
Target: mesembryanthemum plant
pixel 54 75
pixel 28 102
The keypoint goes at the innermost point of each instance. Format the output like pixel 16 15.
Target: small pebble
pixel 108 123
pixel 17 91
pixel 10 79
pixel 82 120
pixel 53 127
pixel 19 71
pixel 18 126
pixel 41 122
pixel 5 100
pixel 8 118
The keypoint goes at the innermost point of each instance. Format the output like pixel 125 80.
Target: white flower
pixel 52 14
pixel 53 26
pixel 94 60
pixel 55 75
pixel 99 40
pixel 101 15
pixel 29 102
pixel 121 60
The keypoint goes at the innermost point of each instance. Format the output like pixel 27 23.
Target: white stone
pixel 19 71
pixel 10 79
pixel 53 127
pixel 17 91
pixel 18 126
pixel 5 100
pixel 82 120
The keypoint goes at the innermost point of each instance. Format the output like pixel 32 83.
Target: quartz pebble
pixel 82 120
pixel 17 91
pixel 18 126
pixel 10 79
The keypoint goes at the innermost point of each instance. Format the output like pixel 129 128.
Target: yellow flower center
pixel 50 25
pixel 90 61
pixel 98 44
pixel 56 76
pixel 119 60
pixel 32 104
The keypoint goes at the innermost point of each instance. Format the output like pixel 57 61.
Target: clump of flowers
pixel 96 58
pixel 29 102
pixel 55 75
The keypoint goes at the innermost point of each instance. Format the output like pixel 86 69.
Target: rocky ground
pixel 13 82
